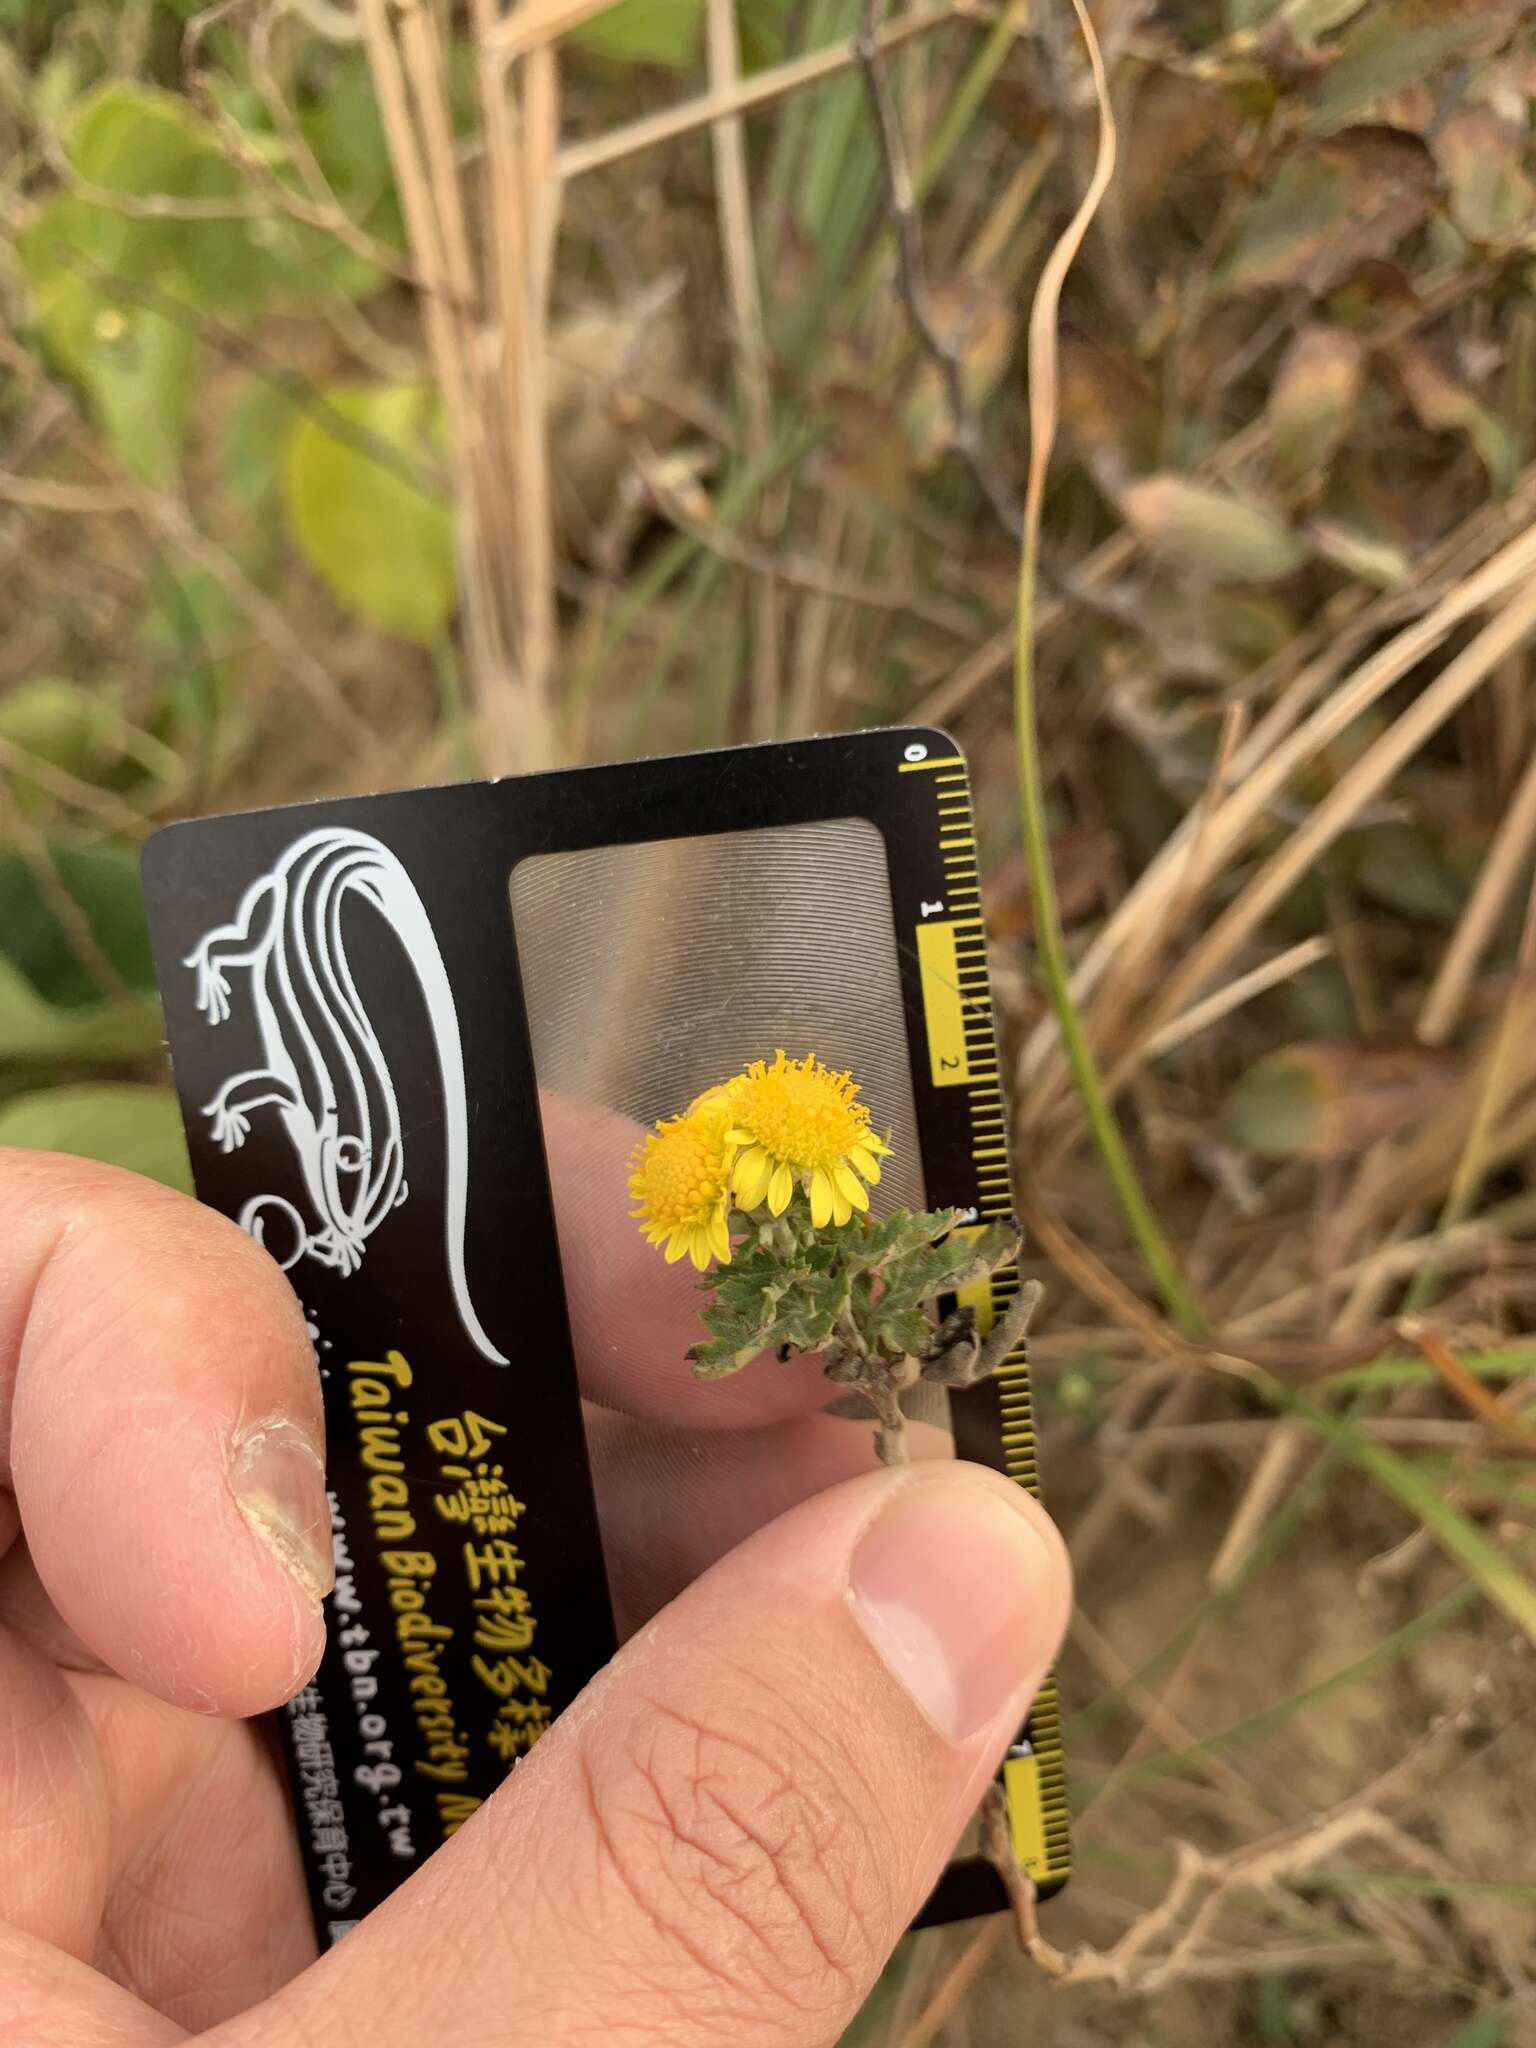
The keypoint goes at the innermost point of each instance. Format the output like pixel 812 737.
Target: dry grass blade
pixel 521 556
pixel 496 422
pixel 780 81
pixel 1286 1447
pixel 950 1993
pixel 1076 1262
pixel 1499 1574
pixel 537 23
pixel 1509 628
pixel 1384 1267
pixel 44 494
pixel 1261 768
pixel 1507 856
pixel 734 208
pixel 1467 1388
pixel 539 193
pixel 1126 1481
pixel 1504 1071
pixel 1223 1001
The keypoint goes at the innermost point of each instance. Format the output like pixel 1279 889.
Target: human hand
pixel 725 1834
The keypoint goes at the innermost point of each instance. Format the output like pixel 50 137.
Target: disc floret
pixel 680 1182
pixel 798 1123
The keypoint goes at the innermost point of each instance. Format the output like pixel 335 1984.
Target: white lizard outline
pixel 325 1072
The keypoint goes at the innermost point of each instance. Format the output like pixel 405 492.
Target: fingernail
pixel 278 1480
pixel 963 1597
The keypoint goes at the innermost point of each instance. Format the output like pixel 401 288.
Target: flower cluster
pixel 749 1144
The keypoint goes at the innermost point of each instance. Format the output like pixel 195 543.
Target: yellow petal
pixel 850 1186
pixel 821 1199
pixel 780 1188
pixel 734 1137
pixel 698 1249
pixel 720 1237
pixel 842 1208
pixel 675 1248
pixel 866 1163
pixel 750 1176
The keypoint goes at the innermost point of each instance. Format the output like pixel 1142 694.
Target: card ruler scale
pixel 994 1422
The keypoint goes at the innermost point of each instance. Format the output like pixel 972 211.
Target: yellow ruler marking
pixel 949 1054
pixel 1034 1786
pixel 1026 1818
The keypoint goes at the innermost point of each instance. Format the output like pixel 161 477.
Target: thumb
pixel 736 1821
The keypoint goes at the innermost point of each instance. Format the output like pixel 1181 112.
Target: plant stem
pixel 1050 943
pixel 891 1435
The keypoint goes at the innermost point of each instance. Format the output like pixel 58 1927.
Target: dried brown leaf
pixel 1333 1100
pixel 1215 636
pixel 1403 866
pixel 1491 198
pixel 1332 206
pixel 866 451
pixel 1313 400
pixel 1377 285
pixel 979 324
pixel 605 367
pixel 1107 406
pixel 1403 45
pixel 1216 534
pixel 1175 119
pixel 1442 402
pixel 1368 557
pixel 1309 20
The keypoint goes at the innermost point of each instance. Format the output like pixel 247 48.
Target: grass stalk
pixel 1051 948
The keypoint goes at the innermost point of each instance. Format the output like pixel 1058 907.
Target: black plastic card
pixel 415 1037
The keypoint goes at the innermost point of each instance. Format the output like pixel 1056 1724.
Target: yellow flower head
pixel 797 1122
pixel 680 1180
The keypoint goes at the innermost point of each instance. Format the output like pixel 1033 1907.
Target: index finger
pixel 160 1426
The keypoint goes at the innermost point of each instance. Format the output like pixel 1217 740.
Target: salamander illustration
pixel 325 1073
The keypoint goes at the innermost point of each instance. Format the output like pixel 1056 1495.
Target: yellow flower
pixel 680 1179
pixel 797 1122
